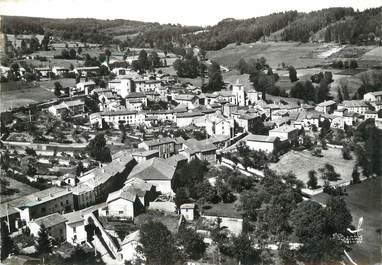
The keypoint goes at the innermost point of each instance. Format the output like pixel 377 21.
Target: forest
pixel 341 25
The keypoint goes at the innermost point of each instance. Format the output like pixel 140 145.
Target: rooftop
pixel 50 220
pixel 284 129
pixel 153 169
pixel 260 138
pixel 196 146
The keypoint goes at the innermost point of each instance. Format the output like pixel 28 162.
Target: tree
pixel 181 197
pixel 309 221
pixel 143 60
pixel 346 152
pixel 242 66
pixel 292 73
pixel 338 215
pixel 7 246
pixel 57 88
pixel 242 247
pixel 355 175
pixel 98 149
pixel 28 165
pixel 154 60
pixel 24 47
pixel 215 81
pixel 34 44
pixel 312 182
pixel 72 53
pixel 44 243
pixel 192 242
pixel 45 42
pixel 157 244
pixel 328 173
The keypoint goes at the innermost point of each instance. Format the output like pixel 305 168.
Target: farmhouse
pixel 86 87
pixel 85 71
pixel 285 133
pixel 115 118
pixel 326 107
pixel 74 107
pixel 123 204
pixel 165 146
pixel 122 86
pixel 189 100
pixel 45 202
pixel 155 171
pixel 59 70
pixel 357 106
pixel 43 72
pixel 373 96
pixel 202 150
pixel 54 223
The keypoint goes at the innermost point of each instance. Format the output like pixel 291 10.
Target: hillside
pixel 340 25
pixel 93 30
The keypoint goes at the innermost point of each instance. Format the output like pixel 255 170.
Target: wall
pixel 265 146
pixel 163 186
pixel 80 233
pixel 163 206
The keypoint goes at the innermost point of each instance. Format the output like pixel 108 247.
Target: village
pixel 123 146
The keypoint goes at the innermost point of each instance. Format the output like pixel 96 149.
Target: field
pixel 21 190
pixel 224 209
pixel 296 54
pixel 364 200
pixel 301 162
pixel 300 55
pixel 17 94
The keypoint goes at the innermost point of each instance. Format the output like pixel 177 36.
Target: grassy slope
pixel 22 190
pixel 301 162
pixel 364 200
pixel 299 55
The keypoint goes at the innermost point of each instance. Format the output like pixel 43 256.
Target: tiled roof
pixel 196 146
pixel 136 95
pixel 353 103
pixel 50 220
pixel 186 97
pixel 260 138
pixel 327 103
pixel 153 169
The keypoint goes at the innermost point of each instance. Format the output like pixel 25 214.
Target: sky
pixel 190 12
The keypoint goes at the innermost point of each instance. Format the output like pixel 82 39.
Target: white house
pixel 73 106
pixel 123 204
pixel 86 87
pixel 115 118
pixel 188 211
pixel 285 133
pixel 122 86
pixel 186 118
pixel 189 100
pixel 155 171
pixel 59 70
pixel 260 142
pixel 357 106
pixel 373 96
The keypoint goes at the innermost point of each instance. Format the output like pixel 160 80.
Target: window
pixel 43 210
pixel 120 212
pixel 74 229
pixel 67 202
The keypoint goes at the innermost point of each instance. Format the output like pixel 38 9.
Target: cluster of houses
pixel 130 184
